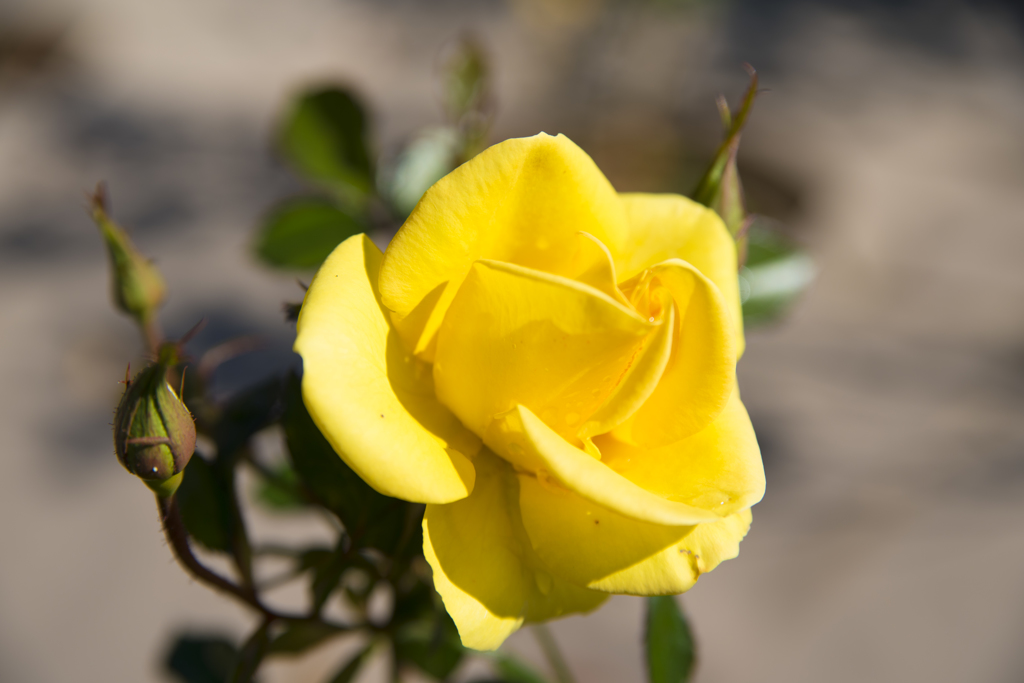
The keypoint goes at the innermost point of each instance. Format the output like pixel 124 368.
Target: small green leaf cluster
pixel 325 137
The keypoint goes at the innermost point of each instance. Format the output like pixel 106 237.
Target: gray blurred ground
pixel 890 405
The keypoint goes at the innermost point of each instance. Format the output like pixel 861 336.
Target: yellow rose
pixel 550 366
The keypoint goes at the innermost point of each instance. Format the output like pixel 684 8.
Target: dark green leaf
pixel 245 413
pixel 349 671
pixel 324 137
pixel 252 654
pixel 775 274
pixel 670 647
pixel 205 505
pixel 314 557
pixel 327 574
pixel 201 659
pixel 301 233
pixel 432 644
pixel 415 603
pixel 371 519
pixel 282 490
pixel 300 636
pixel 513 670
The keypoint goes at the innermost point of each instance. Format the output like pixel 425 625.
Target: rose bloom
pixel 550 366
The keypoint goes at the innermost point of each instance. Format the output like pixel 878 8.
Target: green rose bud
pixel 138 286
pixel 154 434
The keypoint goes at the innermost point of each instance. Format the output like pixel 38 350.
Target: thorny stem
pixel 547 643
pixel 177 537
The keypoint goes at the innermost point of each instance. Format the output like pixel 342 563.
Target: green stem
pixel 547 643
pixel 152 335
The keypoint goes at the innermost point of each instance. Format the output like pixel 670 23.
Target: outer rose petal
pixel 719 468
pixel 373 402
pixel 583 541
pixel 664 226
pixel 515 335
pixel 521 201
pixel 675 569
pixel 532 446
pixel 490 579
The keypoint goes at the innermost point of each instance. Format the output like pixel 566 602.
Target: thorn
pixel 305 287
pixel 98 198
pixel 181 391
pixel 187 337
pixel 127 382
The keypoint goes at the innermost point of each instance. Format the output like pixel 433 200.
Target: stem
pixel 177 536
pixel 547 643
pixel 152 335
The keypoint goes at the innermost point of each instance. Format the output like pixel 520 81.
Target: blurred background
pixel 889 404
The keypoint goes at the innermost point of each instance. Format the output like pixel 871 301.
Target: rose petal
pixel 524 440
pixel 676 568
pixel 490 579
pixel 519 336
pixel 664 226
pixel 521 201
pixel 371 399
pixel 701 372
pixel 718 469
pixel 586 542
pixel 640 380
pixel 593 265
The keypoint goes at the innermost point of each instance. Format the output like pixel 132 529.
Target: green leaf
pixel 327 573
pixel 201 659
pixel 429 158
pixel 205 505
pixel 371 519
pixel 245 413
pixel 324 136
pixel 282 491
pixel 513 670
pixel 300 636
pixel 432 644
pixel 670 646
pixel 252 654
pixel 775 274
pixel 301 233
pixel 349 671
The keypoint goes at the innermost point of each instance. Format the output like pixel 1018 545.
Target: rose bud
pixel 139 288
pixel 154 434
